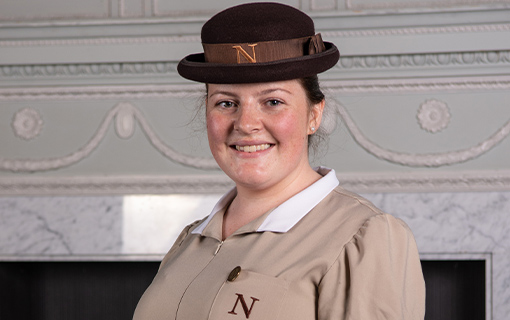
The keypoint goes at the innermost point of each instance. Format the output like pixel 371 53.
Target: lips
pixel 253 148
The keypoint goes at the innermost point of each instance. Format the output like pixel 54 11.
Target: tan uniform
pixel 324 254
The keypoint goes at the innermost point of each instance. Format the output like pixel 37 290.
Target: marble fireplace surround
pixel 447 226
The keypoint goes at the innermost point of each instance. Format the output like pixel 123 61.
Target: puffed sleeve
pixel 376 276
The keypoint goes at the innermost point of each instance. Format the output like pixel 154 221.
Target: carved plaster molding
pixel 449 181
pixel 101 92
pixel 455 84
pixel 421 160
pixel 125 115
pixel 433 115
pixel 91 70
pixel 457 59
pixel 119 40
pixel 129 114
pixel 496 27
pixel 115 185
pixel 218 184
pixel 102 41
pixel 380 62
pixel 421 4
pixel 101 22
pixel 27 123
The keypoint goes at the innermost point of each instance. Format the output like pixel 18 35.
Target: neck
pixel 249 203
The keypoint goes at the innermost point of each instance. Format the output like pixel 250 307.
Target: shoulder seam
pixel 362 201
pixel 351 240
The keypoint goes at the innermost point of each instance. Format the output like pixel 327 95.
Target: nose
pixel 248 119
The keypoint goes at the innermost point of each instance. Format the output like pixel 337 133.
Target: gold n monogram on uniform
pixel 247 311
pixel 242 52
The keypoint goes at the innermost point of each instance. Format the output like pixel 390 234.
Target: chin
pixel 248 178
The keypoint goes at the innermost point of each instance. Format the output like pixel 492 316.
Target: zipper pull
pixel 218 248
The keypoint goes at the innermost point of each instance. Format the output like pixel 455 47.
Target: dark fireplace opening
pixel 72 290
pixel 111 290
pixel 455 289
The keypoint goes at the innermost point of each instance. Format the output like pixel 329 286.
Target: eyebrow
pixel 221 92
pixel 271 90
pixel 267 91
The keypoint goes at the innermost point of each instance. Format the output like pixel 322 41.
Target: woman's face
pixel 258 133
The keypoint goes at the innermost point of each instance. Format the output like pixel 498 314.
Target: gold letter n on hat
pixel 242 52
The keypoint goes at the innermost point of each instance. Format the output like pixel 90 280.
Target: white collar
pixel 286 215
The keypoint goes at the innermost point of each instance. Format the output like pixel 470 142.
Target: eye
pixel 226 104
pixel 273 103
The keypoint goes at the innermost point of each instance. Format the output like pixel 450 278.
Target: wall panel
pixel 90 98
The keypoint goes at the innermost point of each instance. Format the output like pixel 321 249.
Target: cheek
pixel 292 130
pixel 216 129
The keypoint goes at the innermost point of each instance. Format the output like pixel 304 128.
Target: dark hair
pixel 314 95
pixel 312 89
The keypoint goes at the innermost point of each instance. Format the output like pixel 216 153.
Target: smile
pixel 253 148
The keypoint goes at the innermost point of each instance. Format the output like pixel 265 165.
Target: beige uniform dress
pixel 324 254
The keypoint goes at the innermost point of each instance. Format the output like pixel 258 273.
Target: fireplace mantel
pixel 447 226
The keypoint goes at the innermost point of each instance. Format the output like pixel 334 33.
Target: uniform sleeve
pixel 377 275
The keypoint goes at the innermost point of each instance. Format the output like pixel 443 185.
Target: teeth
pixel 253 148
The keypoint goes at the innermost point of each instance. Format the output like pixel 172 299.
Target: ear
pixel 315 118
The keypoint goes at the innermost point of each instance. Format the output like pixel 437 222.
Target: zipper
pixel 218 248
pixel 199 273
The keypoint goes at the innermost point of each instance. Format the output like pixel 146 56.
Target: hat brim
pixel 194 67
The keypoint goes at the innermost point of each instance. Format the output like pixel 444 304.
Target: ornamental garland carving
pixel 420 160
pixel 125 115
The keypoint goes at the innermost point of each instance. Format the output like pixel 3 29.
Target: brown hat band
pixel 264 51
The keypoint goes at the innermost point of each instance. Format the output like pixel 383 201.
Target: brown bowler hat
pixel 259 42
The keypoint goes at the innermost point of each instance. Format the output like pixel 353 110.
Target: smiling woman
pixel 258 134
pixel 287 242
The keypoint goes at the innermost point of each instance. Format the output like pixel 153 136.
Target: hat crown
pixel 255 22
pixel 259 42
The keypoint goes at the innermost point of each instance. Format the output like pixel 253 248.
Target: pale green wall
pixel 74 61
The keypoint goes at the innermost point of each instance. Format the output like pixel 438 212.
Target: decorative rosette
pixel 27 123
pixel 433 115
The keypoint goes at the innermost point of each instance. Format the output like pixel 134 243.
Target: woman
pixel 286 242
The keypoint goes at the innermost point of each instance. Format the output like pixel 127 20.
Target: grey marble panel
pixel 449 226
pixel 60 225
